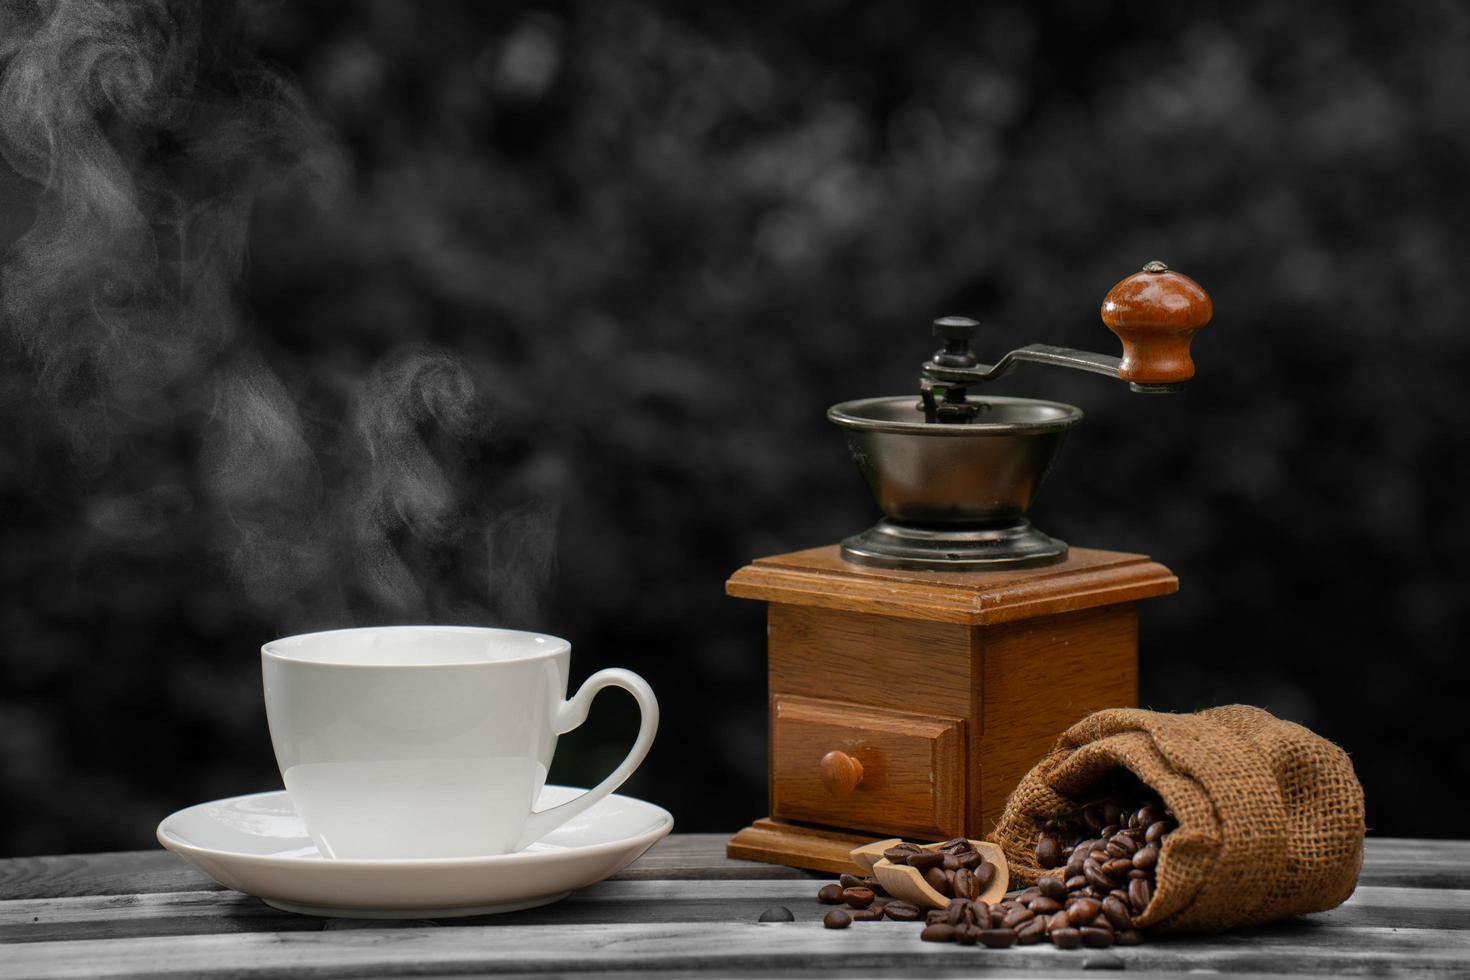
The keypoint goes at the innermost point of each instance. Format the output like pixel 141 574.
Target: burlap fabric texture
pixel 1270 815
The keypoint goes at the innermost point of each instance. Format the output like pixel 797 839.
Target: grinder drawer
pixel 848 765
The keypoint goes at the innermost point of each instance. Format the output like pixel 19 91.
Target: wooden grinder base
pixel 910 703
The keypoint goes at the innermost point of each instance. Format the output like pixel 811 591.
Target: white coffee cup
pixel 430 741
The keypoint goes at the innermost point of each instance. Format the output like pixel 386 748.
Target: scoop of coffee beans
pixel 954 869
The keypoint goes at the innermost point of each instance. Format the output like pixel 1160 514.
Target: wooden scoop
pixel 902 881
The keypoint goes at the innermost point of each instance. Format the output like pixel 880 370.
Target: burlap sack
pixel 1270 815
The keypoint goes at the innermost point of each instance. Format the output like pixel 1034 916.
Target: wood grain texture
pixel 694 923
pixel 913 775
pixel 881 661
pixel 797 845
pixel 1039 677
pixel 820 577
pixel 113 873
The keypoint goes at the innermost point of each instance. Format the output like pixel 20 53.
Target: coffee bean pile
pixel 1108 850
pixel 862 898
pixel 955 869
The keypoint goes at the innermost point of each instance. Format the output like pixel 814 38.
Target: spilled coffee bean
pixel 830 894
pixel 836 919
pixel 901 911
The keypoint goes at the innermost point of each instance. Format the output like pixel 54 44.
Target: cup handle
pixel 569 715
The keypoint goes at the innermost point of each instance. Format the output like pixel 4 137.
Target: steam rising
pixel 146 142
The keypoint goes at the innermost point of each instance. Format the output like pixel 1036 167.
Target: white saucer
pixel 258 845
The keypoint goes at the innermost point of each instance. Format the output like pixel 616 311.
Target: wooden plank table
pixel 682 909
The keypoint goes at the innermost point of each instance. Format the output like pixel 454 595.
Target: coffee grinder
pixel 921 667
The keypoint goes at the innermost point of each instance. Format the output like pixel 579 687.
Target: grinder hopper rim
pixel 954 495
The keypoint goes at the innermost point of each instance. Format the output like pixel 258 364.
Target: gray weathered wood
pixel 638 901
pixel 694 946
pixel 158 871
pixel 682 909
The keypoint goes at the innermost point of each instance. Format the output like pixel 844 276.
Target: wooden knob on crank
pixel 841 773
pixel 1156 313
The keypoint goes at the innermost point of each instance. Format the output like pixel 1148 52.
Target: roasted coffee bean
pixel 1125 841
pixel 1146 857
pixel 852 881
pixel 1058 920
pixel 957 910
pixel 1117 868
pixel 898 855
pixel 955 842
pixel 936 879
pixel 1116 911
pixel 1028 894
pixel 938 932
pixel 1052 888
pixel 1128 937
pixel 858 898
pixel 935 916
pixel 997 938
pixel 1074 864
pixel 870 914
pixel 1101 922
pixel 1083 910
pixel 965 885
pixel 901 911
pixel 778 913
pixel 925 860
pixel 1141 873
pixel 966 934
pixel 1140 893
pixel 1016 916
pixel 1149 814
pixel 1067 938
pixel 972 859
pixel 984 875
pixel 1098 856
pixel 836 919
pixel 1116 850
pixel 952 862
pixel 1156 830
pixel 1076 883
pixel 1096 938
pixel 1032 932
pixel 1042 905
pixel 1096 878
pixel 1048 851
pixel 830 894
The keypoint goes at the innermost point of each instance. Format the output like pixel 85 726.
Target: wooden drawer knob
pixel 841 773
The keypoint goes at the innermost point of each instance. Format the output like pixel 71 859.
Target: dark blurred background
pixel 528 313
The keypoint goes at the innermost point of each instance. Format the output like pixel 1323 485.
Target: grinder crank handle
pixel 1156 313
